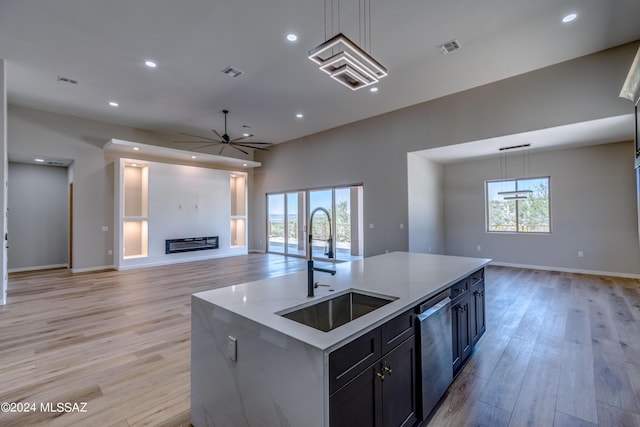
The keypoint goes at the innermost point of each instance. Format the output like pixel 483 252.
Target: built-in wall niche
pixel 238 209
pixel 135 221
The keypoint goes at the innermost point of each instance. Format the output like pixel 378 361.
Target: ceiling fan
pixel 224 140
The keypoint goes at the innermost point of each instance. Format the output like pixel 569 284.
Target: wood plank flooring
pixel 560 349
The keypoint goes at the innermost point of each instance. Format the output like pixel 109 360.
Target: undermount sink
pixel 328 314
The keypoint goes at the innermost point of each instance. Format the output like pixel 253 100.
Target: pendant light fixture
pixel 514 194
pixel 341 58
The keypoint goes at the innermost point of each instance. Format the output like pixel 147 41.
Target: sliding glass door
pixel 275 223
pixel 337 222
pixel 296 243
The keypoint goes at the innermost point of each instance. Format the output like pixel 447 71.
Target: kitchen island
pixel 251 366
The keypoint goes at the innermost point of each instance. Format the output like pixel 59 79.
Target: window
pixel 518 205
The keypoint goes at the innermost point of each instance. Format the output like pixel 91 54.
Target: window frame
pixel 517 203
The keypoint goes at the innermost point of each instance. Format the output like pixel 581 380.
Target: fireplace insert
pixel 189 244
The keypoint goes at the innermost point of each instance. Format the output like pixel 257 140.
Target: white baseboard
pixel 175 261
pixel 89 269
pixel 36 268
pixel 567 270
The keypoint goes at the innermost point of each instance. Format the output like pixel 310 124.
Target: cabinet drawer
pixel 351 359
pixel 459 289
pixel 398 329
pixel 476 277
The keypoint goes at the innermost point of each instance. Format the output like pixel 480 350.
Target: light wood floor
pixel 560 349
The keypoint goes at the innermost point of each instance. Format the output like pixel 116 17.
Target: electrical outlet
pixel 580 254
pixel 232 348
pixel 371 225
pixel 478 248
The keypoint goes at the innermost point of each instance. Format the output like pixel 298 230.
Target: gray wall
pixel 38 202
pixel 593 209
pixel 3 174
pixel 426 205
pixel 374 151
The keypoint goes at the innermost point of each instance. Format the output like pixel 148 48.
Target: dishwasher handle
pixel 434 309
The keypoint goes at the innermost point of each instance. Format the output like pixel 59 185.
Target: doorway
pixel 38 222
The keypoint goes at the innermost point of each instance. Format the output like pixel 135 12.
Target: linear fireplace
pixel 189 244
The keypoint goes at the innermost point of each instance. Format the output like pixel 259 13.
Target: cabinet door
pixel 479 321
pixel 359 402
pixel 399 397
pixel 461 330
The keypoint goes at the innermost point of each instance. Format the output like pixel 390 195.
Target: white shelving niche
pixel 238 232
pixel 135 209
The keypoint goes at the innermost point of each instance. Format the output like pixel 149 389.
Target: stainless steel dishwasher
pixel 435 356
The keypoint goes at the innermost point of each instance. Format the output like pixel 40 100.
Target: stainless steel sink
pixel 329 314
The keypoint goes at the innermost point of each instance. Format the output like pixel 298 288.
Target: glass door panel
pixel 275 223
pixel 323 230
pixel 343 223
pixel 296 243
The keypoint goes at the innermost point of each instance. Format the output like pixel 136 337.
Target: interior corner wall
pixel 38 218
pixel 374 151
pixel 592 210
pixel 426 208
pixel 3 186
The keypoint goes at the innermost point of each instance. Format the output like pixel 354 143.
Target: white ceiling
pixel 103 45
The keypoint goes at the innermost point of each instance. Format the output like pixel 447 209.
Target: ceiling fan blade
pixel 248 146
pixel 250 142
pixel 205 146
pixel 217 134
pixel 239 149
pixel 221 149
pixel 196 142
pixel 198 136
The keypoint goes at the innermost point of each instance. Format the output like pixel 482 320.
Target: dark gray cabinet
pixel 478 323
pixel 373 378
pixel 468 316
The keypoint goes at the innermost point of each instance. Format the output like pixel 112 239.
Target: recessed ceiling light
pixel 39 160
pixel 570 17
pixel 193 157
pixel 150 64
pixel 373 89
pixel 299 115
pixel 113 103
pixel 136 148
pixel 246 135
pixel 244 164
pixel 292 37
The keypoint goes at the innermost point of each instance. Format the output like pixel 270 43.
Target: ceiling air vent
pixel 233 72
pixel 449 46
pixel 67 80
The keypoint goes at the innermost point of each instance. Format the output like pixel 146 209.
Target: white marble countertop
pixel 409 277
